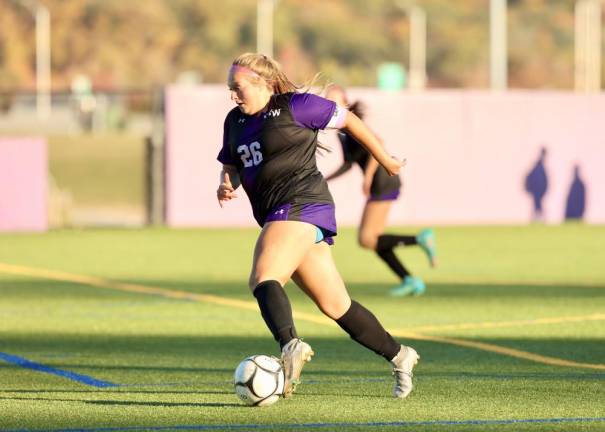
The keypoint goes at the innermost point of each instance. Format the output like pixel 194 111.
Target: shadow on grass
pixel 381 289
pixel 140 359
pixel 40 289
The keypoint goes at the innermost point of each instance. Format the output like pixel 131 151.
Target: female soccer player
pixel 381 190
pixel 269 146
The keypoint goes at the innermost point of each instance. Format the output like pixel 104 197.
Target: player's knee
pixel 252 282
pixel 366 240
pixel 258 277
pixel 334 308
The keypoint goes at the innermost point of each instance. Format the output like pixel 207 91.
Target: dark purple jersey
pixel 274 152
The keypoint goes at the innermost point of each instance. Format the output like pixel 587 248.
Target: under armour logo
pixel 280 211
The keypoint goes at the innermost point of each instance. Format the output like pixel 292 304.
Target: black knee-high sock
pixel 389 257
pixel 389 241
pixel 276 310
pixel 384 249
pixel 365 329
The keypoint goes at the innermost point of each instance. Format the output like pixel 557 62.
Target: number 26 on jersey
pixel 250 154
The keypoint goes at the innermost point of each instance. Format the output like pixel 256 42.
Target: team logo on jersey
pixel 273 113
pixel 242 120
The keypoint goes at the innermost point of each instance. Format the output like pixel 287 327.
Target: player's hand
pixel 225 191
pixel 393 165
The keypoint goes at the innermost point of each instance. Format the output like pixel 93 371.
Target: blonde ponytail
pixel 271 72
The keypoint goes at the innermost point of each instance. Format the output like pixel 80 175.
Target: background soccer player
pixel 381 190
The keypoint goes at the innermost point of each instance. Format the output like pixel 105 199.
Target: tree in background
pixel 130 44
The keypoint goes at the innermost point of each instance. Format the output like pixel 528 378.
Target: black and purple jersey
pixel 274 153
pixel 384 186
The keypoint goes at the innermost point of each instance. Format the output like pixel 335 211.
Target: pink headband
pixel 243 69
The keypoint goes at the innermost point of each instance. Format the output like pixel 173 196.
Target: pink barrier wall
pixel 23 184
pixel 468 155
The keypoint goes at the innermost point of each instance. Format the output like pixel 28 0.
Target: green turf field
pixel 511 334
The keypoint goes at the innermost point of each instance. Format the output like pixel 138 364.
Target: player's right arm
pixel 229 182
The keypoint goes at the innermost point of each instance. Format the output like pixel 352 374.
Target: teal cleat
pixel 411 286
pixel 426 240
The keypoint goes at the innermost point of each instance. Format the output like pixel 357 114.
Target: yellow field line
pixel 500 324
pixel 143 289
pixel 242 304
pixel 500 350
pixel 466 280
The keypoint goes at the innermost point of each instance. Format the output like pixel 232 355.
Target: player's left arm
pixel 357 128
pixel 315 112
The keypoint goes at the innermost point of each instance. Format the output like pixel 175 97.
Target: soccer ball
pixel 259 380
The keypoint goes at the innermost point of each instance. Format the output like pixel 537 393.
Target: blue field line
pixel 28 364
pixel 305 426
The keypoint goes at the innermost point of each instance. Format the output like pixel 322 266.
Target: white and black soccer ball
pixel 259 380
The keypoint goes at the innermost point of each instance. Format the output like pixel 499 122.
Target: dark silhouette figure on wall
pixel 536 184
pixel 576 199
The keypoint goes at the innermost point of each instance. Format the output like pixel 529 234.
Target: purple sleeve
pixel 311 111
pixel 224 156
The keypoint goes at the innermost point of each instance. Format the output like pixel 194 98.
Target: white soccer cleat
pixel 294 355
pixel 403 363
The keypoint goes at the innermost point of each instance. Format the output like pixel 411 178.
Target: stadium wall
pixel 23 184
pixel 469 156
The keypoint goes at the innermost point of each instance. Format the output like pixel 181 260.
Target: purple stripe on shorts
pixel 320 215
pixel 385 197
pixel 279 213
